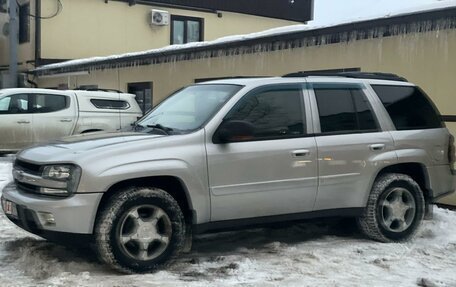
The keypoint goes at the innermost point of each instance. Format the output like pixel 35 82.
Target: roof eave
pixel 444 13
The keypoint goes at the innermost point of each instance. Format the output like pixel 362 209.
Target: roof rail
pixel 202 80
pixel 356 75
pixel 99 90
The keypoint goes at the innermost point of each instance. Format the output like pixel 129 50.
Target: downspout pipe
pixel 13 42
pixel 37 33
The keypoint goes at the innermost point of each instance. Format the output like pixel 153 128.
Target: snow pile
pixel 327 252
pixel 5 173
pixel 272 32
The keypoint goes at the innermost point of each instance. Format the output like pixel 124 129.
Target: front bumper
pixel 75 214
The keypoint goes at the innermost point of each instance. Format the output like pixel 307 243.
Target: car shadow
pixel 287 233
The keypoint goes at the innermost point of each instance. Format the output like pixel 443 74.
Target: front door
pixel 15 122
pixel 275 171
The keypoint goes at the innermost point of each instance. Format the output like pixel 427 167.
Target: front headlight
pixel 57 172
pixel 69 174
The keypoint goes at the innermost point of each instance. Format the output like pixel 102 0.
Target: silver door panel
pixel 347 167
pixel 263 178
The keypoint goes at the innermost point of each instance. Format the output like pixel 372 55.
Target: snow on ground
pixel 314 253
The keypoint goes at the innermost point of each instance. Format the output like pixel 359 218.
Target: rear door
pixel 351 144
pixel 15 122
pixel 54 116
pixel 275 171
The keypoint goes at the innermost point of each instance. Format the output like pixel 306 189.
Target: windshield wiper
pixel 164 129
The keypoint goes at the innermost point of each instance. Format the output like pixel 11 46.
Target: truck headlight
pixel 57 172
pixel 69 174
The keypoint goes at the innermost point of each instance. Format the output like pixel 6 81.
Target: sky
pixel 330 11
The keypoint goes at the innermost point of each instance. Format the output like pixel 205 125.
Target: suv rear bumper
pixel 74 214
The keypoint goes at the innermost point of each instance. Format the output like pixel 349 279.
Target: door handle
pixel 377 147
pixel 66 120
pixel 23 122
pixel 300 152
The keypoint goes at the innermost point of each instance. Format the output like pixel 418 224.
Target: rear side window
pixel 408 107
pixel 275 112
pixel 344 110
pixel 110 104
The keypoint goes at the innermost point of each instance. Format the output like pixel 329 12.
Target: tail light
pixel 451 152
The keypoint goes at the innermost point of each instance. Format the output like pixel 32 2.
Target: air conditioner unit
pixel 159 18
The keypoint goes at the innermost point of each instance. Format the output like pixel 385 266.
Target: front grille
pixel 31 168
pixel 27 188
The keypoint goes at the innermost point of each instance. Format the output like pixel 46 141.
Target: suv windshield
pixel 188 109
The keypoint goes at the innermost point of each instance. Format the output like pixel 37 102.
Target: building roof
pixel 440 15
pixel 296 10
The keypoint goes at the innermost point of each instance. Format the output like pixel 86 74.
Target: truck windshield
pixel 188 109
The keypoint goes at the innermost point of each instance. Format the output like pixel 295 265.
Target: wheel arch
pixel 171 184
pixel 417 171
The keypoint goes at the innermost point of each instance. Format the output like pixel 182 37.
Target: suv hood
pixel 72 146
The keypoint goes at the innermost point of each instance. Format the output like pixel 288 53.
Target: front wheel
pixel 395 209
pixel 140 230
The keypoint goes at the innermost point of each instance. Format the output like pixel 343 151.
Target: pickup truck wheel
pixel 140 230
pixel 395 209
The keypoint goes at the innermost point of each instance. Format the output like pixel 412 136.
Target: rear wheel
pixel 395 209
pixel 140 230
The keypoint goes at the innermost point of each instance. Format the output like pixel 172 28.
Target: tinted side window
pixel 344 110
pixel 408 107
pixel 49 103
pixel 275 113
pixel 110 104
pixel 16 104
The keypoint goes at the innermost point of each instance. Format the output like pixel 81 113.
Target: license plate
pixel 9 208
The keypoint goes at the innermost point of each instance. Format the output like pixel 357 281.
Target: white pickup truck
pixel 30 116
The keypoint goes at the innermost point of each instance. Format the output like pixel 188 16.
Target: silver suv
pixel 239 152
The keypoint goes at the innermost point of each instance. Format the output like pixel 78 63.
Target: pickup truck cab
pixel 238 152
pixel 32 116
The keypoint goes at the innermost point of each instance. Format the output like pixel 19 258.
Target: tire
pixel 140 230
pixel 395 209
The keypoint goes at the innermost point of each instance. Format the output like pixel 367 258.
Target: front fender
pixel 194 185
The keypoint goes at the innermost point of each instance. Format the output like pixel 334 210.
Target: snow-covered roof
pixel 240 39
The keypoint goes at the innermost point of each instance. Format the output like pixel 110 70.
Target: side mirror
pixel 234 131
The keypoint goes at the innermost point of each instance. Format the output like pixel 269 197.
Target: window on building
pixel 408 107
pixel 24 23
pixel 144 94
pixel 110 104
pixel 344 110
pixel 186 29
pixel 275 113
pixel 49 103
